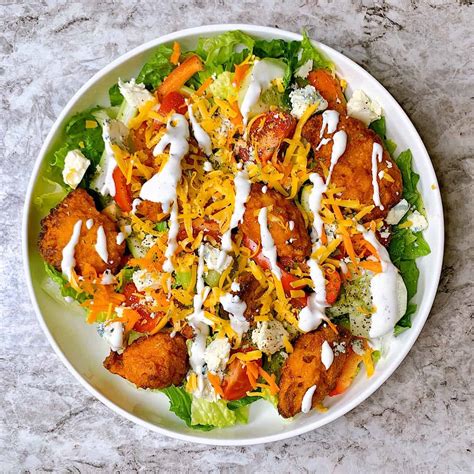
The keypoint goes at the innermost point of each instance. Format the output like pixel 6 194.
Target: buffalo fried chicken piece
pixel 285 223
pixel 353 171
pixel 156 361
pixel 250 292
pixel 266 135
pixel 57 229
pixel 304 368
pixel 329 87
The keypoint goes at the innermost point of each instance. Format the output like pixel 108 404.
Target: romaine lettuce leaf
pixel 379 127
pixel 156 68
pixel 215 414
pixel 115 96
pixel 410 181
pixel 64 287
pixel 308 51
pixel 53 193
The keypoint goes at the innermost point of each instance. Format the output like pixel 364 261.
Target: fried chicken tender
pixel 149 210
pixel 57 229
pixel 353 171
pixel 156 361
pixel 304 368
pixel 329 87
pixel 266 135
pixel 292 241
pixel 250 293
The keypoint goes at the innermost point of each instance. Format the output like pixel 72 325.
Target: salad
pixel 238 227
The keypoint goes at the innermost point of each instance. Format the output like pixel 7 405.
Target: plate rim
pixel 337 412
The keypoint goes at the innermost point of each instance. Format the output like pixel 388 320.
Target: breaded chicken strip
pixel 249 292
pixel 285 223
pixel 156 361
pixel 57 229
pixel 353 171
pixel 266 135
pixel 304 368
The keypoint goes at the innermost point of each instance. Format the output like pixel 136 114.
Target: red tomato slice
pixel 123 191
pixel 173 101
pixel 236 384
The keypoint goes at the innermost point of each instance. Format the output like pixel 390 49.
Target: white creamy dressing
pixel 330 122
pixel 89 224
pixel 323 142
pixel 307 401
pixel 199 323
pixel 236 308
pixel 113 334
pixel 338 149
pixel 314 201
pixel 261 77
pixel 203 139
pixel 172 234
pixel 377 156
pixel 268 245
pixel 101 245
pixel 384 288
pixel 107 278
pixel 327 355
pixel 162 186
pixel 123 234
pixel 242 191
pixel 68 261
pixel 113 132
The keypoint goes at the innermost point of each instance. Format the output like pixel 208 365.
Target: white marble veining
pixel 421 419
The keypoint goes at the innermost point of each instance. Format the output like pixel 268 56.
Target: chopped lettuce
pixel 156 68
pixel 309 52
pixel 274 364
pixel 380 128
pixel 64 287
pixel 222 87
pixel 410 181
pixel 53 193
pixel 161 226
pixel 115 96
pixel 242 402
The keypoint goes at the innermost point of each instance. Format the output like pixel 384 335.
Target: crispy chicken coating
pixel 353 171
pixel 249 292
pixel 156 361
pixel 285 223
pixel 266 135
pixel 304 368
pixel 57 229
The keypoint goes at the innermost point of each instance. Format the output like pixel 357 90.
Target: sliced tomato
pixel 236 383
pixel 123 191
pixel 146 323
pixel 173 101
pixel 349 371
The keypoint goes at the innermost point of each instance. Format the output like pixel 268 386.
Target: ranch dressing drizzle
pixel 330 122
pixel 268 245
pixel 101 245
pixel 261 77
pixel 383 288
pixel 199 323
pixel 308 399
pixel 68 261
pixel 242 191
pixel 338 149
pixel 327 355
pixel 235 307
pixel 172 234
pixel 315 198
pixel 162 186
pixel 377 155
pixel 203 139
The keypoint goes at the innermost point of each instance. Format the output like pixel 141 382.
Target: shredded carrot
pixel 331 325
pixel 240 72
pixel 216 383
pixel 204 86
pixel 348 246
pixel 174 58
pixel 270 379
pixel 375 267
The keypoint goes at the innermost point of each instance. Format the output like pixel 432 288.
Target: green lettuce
pixel 308 51
pixel 156 68
pixel 53 193
pixel 115 96
pixel 222 87
pixel 410 181
pixel 380 128
pixel 64 286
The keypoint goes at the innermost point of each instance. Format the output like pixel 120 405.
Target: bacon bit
pixel 239 76
pixel 270 379
pixel 216 383
pixel 204 86
pixel 174 58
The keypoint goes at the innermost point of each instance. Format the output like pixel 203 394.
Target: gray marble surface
pixel 421 419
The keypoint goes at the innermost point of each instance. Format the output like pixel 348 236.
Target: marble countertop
pixel 421 418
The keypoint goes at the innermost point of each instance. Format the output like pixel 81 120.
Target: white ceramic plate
pixel 77 344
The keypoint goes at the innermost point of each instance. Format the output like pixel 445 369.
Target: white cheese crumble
pixel 304 69
pixel 217 354
pixel 361 107
pixel 145 280
pixel 418 222
pixel 75 167
pixel 268 336
pixel 212 259
pixel 135 94
pixel 112 333
pixel 302 98
pixel 397 212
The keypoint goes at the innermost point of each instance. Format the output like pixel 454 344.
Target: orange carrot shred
pixel 174 58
